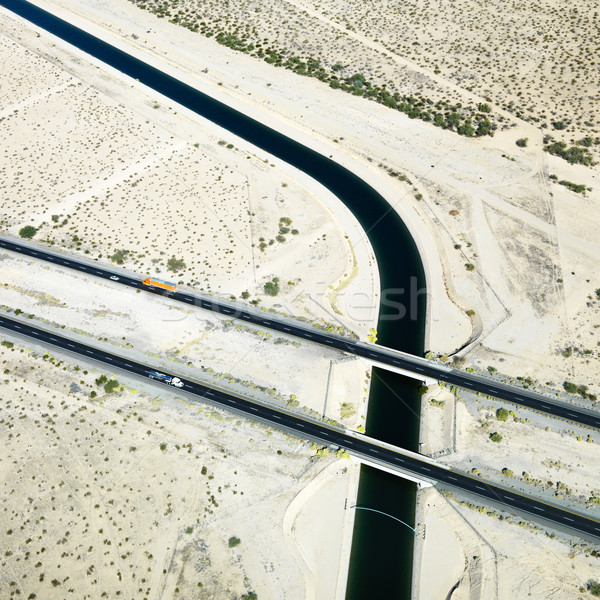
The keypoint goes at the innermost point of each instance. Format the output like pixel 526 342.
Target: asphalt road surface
pixel 414 364
pixel 547 514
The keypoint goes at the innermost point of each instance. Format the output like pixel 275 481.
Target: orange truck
pixel 153 282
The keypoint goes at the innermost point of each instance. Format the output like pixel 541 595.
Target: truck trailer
pixel 165 378
pixel 153 282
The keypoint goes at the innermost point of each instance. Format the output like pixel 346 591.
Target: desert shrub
pixel 111 386
pixel 495 437
pixel 271 288
pixel 575 155
pixel 502 414
pixel 593 588
pixel 101 380
pixel 119 256
pixel 578 188
pixel 233 541
pixel 27 232
pixel 175 264
pixel 522 142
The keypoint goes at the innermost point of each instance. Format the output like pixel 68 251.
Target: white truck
pixel 165 378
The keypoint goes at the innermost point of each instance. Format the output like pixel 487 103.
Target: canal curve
pixel 394 405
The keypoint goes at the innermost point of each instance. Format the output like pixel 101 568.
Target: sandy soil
pixel 482 553
pixel 137 493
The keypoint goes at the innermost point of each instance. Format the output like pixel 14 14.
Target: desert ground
pixel 511 255
pixel 142 494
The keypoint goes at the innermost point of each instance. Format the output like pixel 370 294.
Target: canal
pixel 381 559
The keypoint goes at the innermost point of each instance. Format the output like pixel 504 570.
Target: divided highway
pixel 304 427
pixel 417 365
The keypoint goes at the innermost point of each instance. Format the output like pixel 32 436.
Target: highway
pixel 417 365
pixel 304 427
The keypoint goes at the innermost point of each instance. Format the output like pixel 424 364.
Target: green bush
pixel 495 437
pixel 271 288
pixel 522 142
pixel 593 588
pixel 175 264
pixel 111 386
pixel 119 256
pixel 101 380
pixel 573 155
pixel 578 188
pixel 233 541
pixel 27 232
pixel 502 414
pixel 570 387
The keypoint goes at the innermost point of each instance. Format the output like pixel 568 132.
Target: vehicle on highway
pixel 114 278
pixel 153 282
pixel 165 378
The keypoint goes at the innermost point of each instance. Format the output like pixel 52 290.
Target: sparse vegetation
pixel 234 541
pixel 175 264
pixel 578 188
pixel 271 288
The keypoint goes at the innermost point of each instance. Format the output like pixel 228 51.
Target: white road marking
pixel 89 352
pixel 480 487
pixel 17 327
pixel 287 329
pixel 426 469
pixel 300 425
pixel 128 365
pixel 35 333
pixel 277 417
pixel 569 519
pixel 71 345
pixel 53 339
pixel 308 335
pixel 108 358
pixel 538 508
pixel 453 478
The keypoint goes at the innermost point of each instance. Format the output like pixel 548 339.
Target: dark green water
pixel 382 551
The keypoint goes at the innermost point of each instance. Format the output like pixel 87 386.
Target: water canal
pixel 381 560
